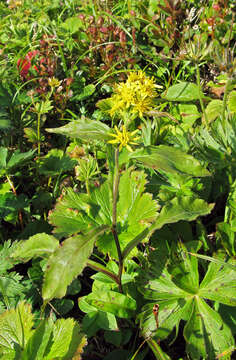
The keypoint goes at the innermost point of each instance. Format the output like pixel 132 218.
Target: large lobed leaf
pixel 182 208
pixel 136 211
pixel 15 329
pixel 205 332
pixel 18 340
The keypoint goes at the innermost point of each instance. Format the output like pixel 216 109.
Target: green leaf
pixel 218 284
pixel 232 101
pixel 15 328
pixel 184 208
pixel 67 262
pixel 9 161
pixel 206 334
pixel 55 163
pixel 72 24
pixel 43 107
pixel 66 339
pixel 189 113
pixel 169 316
pixel 86 92
pixel 77 212
pixel 37 245
pixel 184 268
pixel 96 320
pixel 115 303
pixel 86 129
pixel 184 91
pixel 170 160
pixel 60 340
pixel 37 344
pixel 214 109
pixel 136 211
pixel 3 157
pixel 226 236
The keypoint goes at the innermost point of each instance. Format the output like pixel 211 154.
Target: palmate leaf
pixel 14 336
pixel 180 208
pixel 170 160
pixel 136 211
pixel 55 162
pixel 67 262
pixel 205 332
pixel 18 340
pixel 219 284
pixel 78 212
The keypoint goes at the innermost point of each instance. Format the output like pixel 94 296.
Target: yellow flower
pixel 135 95
pixel 53 82
pixel 124 138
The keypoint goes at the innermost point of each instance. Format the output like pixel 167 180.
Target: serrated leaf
pixel 184 91
pixel 219 283
pixel 206 334
pixel 86 92
pixel 214 109
pixel 170 314
pixel 170 160
pixel 18 158
pixel 14 336
pixel 55 162
pixel 136 211
pixel 112 302
pixel 232 101
pixel 36 245
pixel 183 208
pixel 88 130
pixel 37 344
pixel 66 339
pixel 74 213
pixel 67 262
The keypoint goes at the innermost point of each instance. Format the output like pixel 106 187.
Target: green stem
pixel 38 133
pixel 114 216
pixel 200 94
pixel 98 267
pixel 226 93
pixel 87 187
pixel 14 192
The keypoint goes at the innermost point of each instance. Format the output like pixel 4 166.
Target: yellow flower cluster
pixel 124 138
pixel 136 95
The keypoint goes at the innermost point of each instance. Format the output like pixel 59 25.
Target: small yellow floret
pixel 124 138
pixel 135 95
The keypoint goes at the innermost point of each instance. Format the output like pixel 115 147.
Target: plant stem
pixel 14 192
pixel 114 216
pixel 38 133
pixel 87 186
pixel 200 94
pixel 226 93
